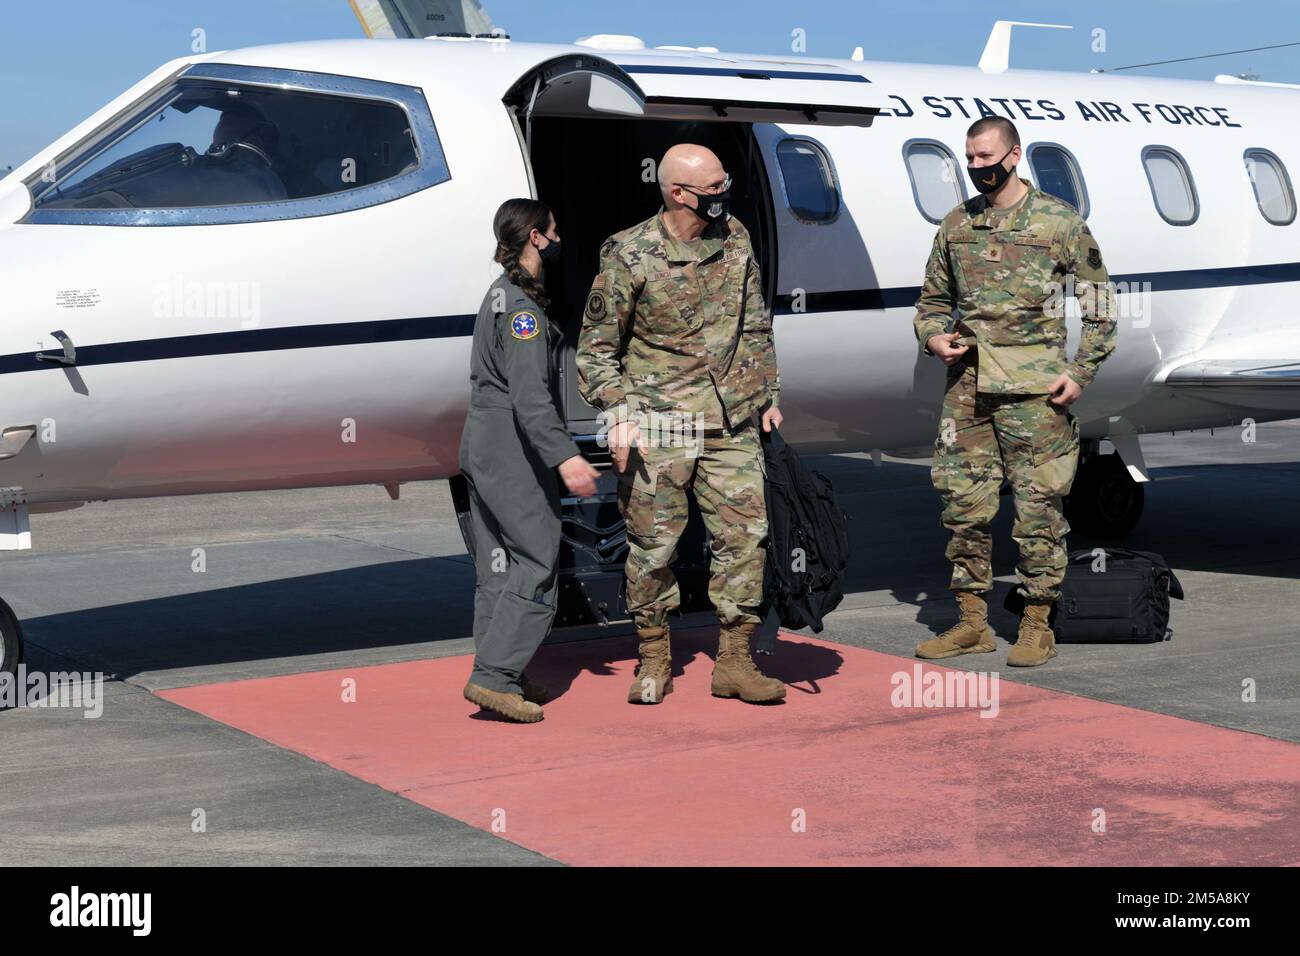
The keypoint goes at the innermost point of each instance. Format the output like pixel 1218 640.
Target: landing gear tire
pixel 11 641
pixel 1105 501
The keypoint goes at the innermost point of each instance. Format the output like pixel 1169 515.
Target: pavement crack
pixel 380 544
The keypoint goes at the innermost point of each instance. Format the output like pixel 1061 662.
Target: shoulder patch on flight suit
pixel 1094 257
pixel 524 325
pixel 596 304
pixel 599 282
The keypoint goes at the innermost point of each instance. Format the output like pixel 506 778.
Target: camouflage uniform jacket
pixel 674 326
pixel 1004 273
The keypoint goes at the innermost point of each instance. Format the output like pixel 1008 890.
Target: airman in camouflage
pixel 676 351
pixel 701 340
pixel 1005 266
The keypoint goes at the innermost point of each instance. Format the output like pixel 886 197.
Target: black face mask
pixel 551 254
pixel 711 207
pixel 989 179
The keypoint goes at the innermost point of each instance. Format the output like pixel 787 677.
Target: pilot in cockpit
pixel 238 167
pixel 241 157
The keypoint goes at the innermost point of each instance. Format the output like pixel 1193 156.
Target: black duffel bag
pixel 1127 603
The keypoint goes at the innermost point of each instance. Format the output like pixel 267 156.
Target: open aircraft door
pixel 593 125
pixel 696 87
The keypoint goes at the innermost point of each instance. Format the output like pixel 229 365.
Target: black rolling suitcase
pixel 1126 603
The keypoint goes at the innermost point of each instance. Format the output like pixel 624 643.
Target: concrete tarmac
pixel 182 592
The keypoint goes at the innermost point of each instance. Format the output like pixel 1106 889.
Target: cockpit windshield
pixel 211 144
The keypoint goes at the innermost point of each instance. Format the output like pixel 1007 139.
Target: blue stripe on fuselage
pixel 254 340
pixel 456 326
pixel 1180 281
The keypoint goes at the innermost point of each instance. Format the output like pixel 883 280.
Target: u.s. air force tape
pixel 524 325
pixel 596 305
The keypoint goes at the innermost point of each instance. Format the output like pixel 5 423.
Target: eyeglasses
pixel 726 184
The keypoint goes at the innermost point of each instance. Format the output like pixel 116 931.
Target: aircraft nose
pixel 15 201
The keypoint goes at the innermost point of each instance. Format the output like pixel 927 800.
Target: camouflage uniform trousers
pixel 724 472
pixel 1035 444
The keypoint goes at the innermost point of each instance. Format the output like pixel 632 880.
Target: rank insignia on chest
pixel 524 325
pixel 991 253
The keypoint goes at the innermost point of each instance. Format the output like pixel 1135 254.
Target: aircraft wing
pixel 1256 383
pixel 421 18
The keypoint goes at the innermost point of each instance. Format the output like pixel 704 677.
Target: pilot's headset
pixel 260 139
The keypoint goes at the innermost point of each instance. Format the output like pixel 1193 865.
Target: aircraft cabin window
pixel 937 185
pixel 1056 172
pixel 240 144
pixel 1171 185
pixel 808 180
pixel 1272 185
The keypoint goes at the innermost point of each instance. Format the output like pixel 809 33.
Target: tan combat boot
pixel 654 674
pixel 734 673
pixel 970 635
pixel 510 706
pixel 1036 643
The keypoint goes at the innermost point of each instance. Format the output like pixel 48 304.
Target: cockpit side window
pixel 239 144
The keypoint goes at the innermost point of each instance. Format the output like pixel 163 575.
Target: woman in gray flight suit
pixel 514 440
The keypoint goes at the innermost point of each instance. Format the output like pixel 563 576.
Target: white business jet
pixel 259 268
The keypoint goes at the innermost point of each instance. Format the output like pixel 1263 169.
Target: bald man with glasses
pixel 676 352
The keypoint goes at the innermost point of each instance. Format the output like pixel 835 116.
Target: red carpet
pixel 698 780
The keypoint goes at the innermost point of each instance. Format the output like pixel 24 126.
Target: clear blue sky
pixel 56 70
